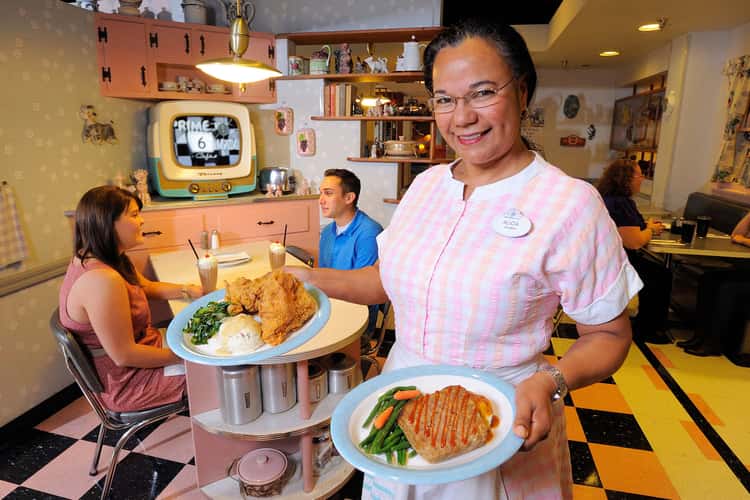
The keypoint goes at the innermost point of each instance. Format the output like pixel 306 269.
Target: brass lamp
pixel 235 69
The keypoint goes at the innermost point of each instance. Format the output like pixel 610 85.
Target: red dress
pixel 125 388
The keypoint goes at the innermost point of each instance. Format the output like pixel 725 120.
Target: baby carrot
pixel 402 395
pixel 381 419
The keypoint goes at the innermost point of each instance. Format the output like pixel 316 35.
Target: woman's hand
pixel 534 409
pixel 193 291
pixel 656 227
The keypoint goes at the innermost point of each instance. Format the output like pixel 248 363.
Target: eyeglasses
pixel 485 96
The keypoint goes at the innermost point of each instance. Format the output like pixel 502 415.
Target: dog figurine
pixel 93 131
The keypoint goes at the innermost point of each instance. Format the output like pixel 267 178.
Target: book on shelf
pixel 337 99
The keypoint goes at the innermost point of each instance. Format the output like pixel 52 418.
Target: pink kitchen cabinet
pixel 136 54
pixel 123 67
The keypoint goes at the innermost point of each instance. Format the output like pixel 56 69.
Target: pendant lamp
pixel 235 69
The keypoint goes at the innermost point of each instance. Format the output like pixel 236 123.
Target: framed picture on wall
pixel 637 121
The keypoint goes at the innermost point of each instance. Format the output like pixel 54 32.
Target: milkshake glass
pixel 208 269
pixel 276 255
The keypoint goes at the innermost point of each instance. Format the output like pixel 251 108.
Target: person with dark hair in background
pixel 104 303
pixel 349 242
pixel 481 252
pixel 620 181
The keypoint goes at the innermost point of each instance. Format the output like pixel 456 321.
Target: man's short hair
pixel 349 182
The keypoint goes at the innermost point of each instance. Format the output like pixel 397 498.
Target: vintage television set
pixel 201 149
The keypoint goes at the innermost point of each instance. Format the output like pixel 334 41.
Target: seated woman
pixel 620 181
pixel 104 303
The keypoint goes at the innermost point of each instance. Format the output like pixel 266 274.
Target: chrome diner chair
pixel 371 342
pixel 81 367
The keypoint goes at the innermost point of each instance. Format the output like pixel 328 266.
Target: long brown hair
pixel 95 234
pixel 617 179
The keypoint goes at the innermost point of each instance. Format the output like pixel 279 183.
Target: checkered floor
pixel 629 439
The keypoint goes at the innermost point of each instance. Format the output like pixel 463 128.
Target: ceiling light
pixel 609 53
pixel 235 69
pixel 657 26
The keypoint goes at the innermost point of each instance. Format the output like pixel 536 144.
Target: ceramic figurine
pixel 343 60
pixel 164 15
pixel 141 185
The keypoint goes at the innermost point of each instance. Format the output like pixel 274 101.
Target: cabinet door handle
pixel 263 223
pixel 187 43
pixel 143 76
pixel 152 233
pixel 203 45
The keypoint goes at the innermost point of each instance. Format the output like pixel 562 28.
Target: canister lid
pixel 262 466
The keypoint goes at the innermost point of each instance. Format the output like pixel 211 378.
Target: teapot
pixel 377 65
pixel 319 61
pixel 412 59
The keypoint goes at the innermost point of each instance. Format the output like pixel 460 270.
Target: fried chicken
pixel 278 297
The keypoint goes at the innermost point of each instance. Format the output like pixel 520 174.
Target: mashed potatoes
pixel 238 334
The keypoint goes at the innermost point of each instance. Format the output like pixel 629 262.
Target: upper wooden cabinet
pixel 136 54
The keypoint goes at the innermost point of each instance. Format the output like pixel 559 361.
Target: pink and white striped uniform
pixel 463 294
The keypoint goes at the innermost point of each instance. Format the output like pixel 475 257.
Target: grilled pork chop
pixel 444 424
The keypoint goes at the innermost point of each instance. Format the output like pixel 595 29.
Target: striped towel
pixel 12 242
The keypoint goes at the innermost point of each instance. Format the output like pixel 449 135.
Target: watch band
pixel 557 376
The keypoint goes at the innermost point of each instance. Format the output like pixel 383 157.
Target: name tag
pixel 512 224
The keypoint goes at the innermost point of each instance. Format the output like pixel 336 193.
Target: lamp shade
pixel 235 69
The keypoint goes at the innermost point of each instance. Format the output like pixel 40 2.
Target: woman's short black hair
pixel 95 234
pixel 509 43
pixel 617 179
pixel 349 181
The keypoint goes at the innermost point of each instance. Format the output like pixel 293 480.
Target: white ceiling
pixel 580 29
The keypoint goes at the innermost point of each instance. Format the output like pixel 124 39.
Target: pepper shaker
pixel 204 240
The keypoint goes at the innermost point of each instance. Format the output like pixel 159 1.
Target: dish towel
pixel 12 242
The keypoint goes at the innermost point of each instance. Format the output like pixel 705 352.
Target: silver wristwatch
pixel 557 376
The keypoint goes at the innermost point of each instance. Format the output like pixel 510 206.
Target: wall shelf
pixel 375 118
pixel 424 34
pixel 398 76
pixel 400 159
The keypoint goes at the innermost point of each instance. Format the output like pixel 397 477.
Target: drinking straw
pixel 284 241
pixel 196 253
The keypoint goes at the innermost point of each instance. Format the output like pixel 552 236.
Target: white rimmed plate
pixel 351 412
pixel 182 346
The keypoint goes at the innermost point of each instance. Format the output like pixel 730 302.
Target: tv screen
pixel 206 140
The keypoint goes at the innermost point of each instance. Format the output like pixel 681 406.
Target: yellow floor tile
pixel 705 409
pixel 600 397
pixel 588 493
pixel 631 471
pixel 655 378
pixel 573 424
pixel 700 440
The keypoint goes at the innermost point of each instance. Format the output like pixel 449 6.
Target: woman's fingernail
pixel 521 431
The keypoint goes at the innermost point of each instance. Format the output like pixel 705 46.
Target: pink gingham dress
pixel 464 294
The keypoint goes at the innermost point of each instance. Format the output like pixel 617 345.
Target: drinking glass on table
pixel 702 224
pixel 688 230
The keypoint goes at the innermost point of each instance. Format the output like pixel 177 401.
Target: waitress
pixel 481 251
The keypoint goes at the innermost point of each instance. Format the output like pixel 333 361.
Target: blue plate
pixel 181 345
pixel 351 412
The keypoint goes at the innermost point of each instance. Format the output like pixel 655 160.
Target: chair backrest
pixel 78 362
pixel 380 331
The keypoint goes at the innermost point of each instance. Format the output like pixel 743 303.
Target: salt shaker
pixel 214 239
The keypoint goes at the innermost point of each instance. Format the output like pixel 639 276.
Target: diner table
pixel 217 442
pixel 715 244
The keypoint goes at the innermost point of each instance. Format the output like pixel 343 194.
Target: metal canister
pixel 278 386
pixel 317 379
pixel 239 391
pixel 343 373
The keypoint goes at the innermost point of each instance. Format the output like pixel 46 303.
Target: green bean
pixel 390 392
pixel 412 453
pixel 401 454
pixel 389 457
pixel 388 425
pixel 398 445
pixel 369 438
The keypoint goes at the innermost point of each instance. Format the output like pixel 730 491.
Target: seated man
pixel 349 241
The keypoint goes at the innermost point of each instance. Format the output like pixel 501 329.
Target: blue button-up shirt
pixel 355 248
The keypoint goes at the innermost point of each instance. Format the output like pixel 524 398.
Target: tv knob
pixel 226 186
pixel 194 188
